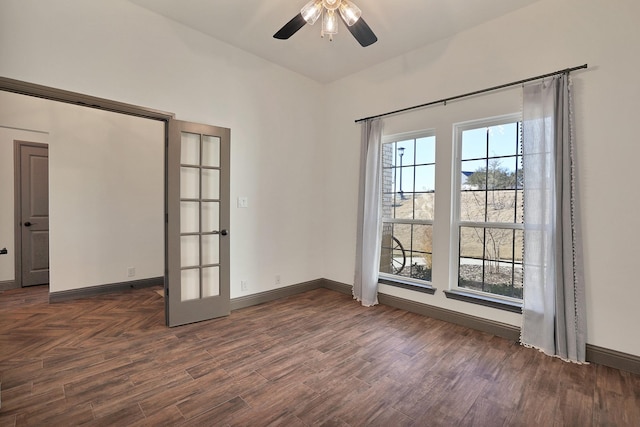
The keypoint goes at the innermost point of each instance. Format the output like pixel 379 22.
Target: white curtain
pixel 365 286
pixel 553 304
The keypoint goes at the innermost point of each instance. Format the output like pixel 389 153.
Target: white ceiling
pixel 401 26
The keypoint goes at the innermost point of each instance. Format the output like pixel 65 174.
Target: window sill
pixel 487 301
pixel 405 284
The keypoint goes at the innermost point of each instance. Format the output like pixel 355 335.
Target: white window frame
pixel 426 133
pixel 456 222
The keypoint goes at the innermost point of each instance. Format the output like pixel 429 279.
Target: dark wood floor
pixel 314 359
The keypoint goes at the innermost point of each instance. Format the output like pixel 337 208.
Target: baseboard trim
pixel 503 330
pixel 272 295
pixel 8 284
pixel 91 291
pixel 496 328
pixel 594 354
pixel 343 288
pixel 613 359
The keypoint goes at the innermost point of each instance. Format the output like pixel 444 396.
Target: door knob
pixel 27 224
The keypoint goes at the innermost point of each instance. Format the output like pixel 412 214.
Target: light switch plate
pixel 243 202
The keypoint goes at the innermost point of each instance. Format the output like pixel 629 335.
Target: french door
pixel 197 243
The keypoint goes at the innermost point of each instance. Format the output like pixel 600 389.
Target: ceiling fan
pixel 330 10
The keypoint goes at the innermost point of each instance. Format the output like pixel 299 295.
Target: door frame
pixel 75 98
pixel 17 204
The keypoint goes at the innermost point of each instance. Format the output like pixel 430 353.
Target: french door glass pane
pixel 210 184
pixel 190 251
pixel 190 284
pixel 210 281
pixel 210 216
pixel 210 249
pixel 190 149
pixel 189 217
pixel 189 183
pixel 210 151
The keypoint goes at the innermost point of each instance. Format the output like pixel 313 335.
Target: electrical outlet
pixel 243 286
pixel 277 279
pixel 131 272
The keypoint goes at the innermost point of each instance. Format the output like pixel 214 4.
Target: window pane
pixel 473 174
pixel 404 152
pixel 474 144
pixel 424 206
pixel 403 208
pixel 519 208
pixel 210 150
pixel 190 284
pixel 388 205
pixel 189 183
pixel 472 205
pixel 501 205
pixel 421 250
pixel 210 216
pixel 210 184
pixel 393 255
pixel 404 179
pixel 189 217
pixel 426 150
pixel 210 282
pixel 189 251
pixel 503 140
pixel 425 178
pixel 210 249
pixel 502 173
pixel 190 149
pixel 388 154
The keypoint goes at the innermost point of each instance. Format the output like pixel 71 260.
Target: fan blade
pixel 290 28
pixel 362 32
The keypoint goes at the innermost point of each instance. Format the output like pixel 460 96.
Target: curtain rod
pixel 451 98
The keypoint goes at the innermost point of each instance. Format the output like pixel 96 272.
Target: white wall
pixel 546 36
pixel 117 50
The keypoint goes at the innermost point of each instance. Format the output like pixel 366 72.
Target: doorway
pixel 32 213
pixel 212 268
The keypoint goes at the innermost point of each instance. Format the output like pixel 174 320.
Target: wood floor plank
pixel 318 358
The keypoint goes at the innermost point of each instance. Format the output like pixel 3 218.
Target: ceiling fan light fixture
pixel 312 11
pixel 331 4
pixel 349 12
pixel 329 23
pixel 331 11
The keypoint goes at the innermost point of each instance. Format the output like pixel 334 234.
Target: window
pixel 408 195
pixel 489 208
